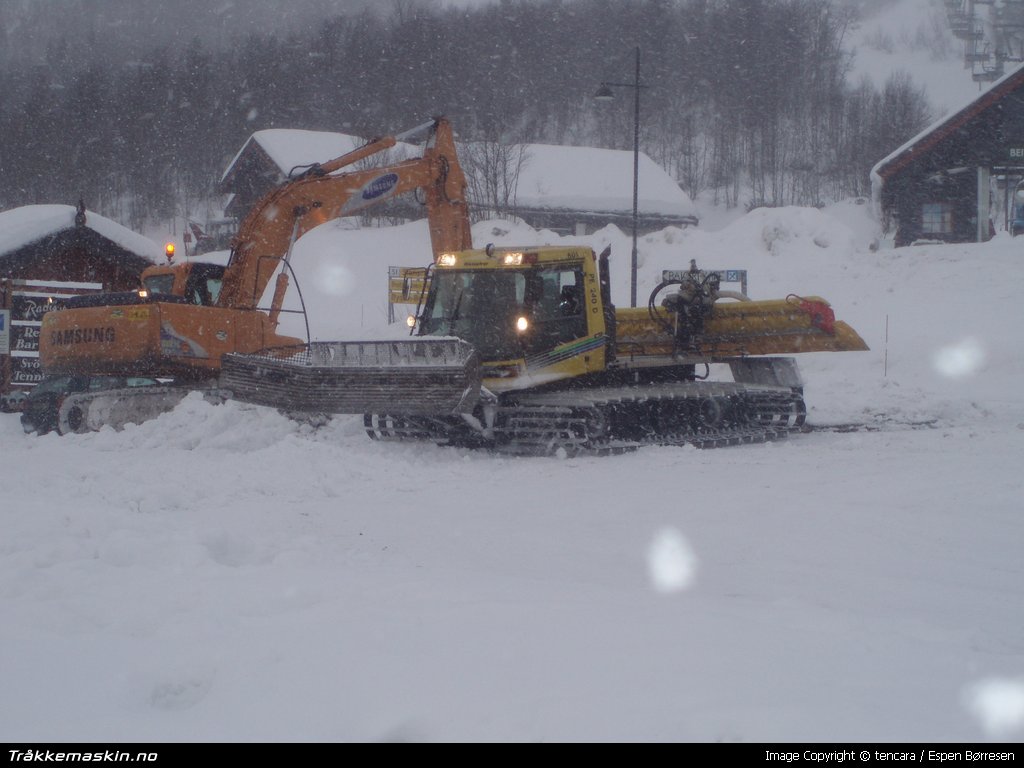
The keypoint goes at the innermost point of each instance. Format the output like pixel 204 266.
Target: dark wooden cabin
pixel 954 182
pixel 68 244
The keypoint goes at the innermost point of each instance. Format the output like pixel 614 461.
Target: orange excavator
pixel 186 316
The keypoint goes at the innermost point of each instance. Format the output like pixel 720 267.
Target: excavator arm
pixel 329 191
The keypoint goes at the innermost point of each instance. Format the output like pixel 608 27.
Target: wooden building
pixel 579 190
pixel 67 244
pixel 954 181
pixel 570 190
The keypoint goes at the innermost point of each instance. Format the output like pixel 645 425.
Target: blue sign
pixel 5 333
pixel 380 186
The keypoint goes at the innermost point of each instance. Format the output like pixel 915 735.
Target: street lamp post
pixel 604 93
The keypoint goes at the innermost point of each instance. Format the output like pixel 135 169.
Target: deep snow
pixel 225 574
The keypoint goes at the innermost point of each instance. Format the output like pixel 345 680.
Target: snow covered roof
pixel 289 148
pixel 945 126
pixel 552 177
pixel 22 226
pixel 598 181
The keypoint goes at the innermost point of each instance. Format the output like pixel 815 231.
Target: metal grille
pixel 426 376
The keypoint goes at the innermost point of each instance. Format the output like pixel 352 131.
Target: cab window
pixel 203 286
pixel 213 289
pixel 160 284
pixel 556 305
pixel 484 308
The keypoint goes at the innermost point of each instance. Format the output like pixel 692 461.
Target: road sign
pixel 406 285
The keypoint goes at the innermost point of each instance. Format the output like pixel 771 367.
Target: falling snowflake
pixel 998 704
pixel 671 562
pixel 959 360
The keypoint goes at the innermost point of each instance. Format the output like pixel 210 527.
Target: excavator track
pixel 91 411
pixel 617 419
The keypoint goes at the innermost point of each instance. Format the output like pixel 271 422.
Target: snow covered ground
pixel 225 574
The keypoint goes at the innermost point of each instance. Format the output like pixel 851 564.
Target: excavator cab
pixel 196 282
pixel 203 284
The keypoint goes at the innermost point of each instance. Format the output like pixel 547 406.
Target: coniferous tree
pixel 747 101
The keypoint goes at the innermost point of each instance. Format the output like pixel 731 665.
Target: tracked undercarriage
pixel 116 408
pixel 612 419
pixel 431 389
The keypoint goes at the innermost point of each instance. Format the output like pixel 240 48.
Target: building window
pixel 937 219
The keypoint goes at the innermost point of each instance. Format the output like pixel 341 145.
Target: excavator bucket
pixel 405 378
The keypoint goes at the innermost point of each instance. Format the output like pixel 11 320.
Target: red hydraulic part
pixel 822 316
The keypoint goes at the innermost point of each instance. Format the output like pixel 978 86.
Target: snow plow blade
pixel 420 377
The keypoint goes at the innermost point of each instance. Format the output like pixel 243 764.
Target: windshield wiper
pixel 455 312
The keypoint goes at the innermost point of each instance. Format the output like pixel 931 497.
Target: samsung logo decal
pixel 380 186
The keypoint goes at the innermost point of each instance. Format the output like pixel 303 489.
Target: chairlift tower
pixel 992 32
